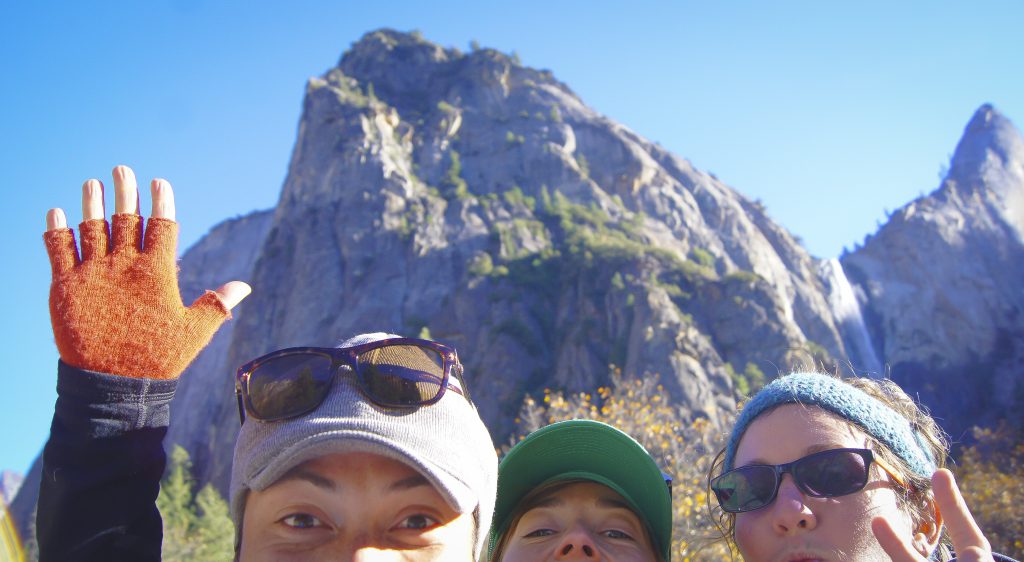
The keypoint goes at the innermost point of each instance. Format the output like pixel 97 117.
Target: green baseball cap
pixel 585 450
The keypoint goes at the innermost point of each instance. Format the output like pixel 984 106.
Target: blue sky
pixel 831 113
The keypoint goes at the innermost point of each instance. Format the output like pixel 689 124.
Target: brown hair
pixel 916 497
pixel 534 498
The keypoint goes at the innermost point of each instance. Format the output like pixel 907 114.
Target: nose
pixel 363 550
pixel 790 513
pixel 577 544
pixel 364 554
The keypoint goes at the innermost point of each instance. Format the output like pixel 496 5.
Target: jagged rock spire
pixel 989 140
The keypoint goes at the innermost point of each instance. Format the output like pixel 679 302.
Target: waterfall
pixel 849 318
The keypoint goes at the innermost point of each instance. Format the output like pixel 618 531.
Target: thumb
pixel 232 293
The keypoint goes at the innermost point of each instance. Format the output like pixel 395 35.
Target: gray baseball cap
pixel 446 442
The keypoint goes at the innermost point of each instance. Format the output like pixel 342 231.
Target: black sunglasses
pixel 828 474
pixel 394 373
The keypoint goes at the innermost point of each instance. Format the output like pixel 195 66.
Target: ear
pixel 927 535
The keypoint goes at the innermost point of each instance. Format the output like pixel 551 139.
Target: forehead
pixel 791 431
pixel 354 468
pixel 589 494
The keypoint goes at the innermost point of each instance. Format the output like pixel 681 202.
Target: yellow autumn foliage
pixel 991 477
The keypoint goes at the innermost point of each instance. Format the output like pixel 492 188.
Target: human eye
pixel 301 521
pixel 537 533
pixel 617 534
pixel 418 522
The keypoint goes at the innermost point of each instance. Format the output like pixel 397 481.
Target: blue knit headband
pixel 833 395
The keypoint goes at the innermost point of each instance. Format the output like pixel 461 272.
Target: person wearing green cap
pixel 581 490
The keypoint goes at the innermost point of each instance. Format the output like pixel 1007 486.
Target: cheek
pixel 884 503
pixel 516 552
pixel 461 533
pixel 749 527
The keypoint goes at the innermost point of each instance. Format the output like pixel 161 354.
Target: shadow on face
pixel 353 506
pixel 579 521
pixel 796 525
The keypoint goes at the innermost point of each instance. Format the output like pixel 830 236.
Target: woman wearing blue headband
pixel 819 468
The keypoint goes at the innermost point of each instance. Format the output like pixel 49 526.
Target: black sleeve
pixel 997 557
pixel 102 467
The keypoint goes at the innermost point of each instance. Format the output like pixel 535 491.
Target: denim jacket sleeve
pixel 102 467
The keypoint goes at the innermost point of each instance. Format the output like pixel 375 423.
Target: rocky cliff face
pixel 204 404
pixel 942 282
pixel 480 201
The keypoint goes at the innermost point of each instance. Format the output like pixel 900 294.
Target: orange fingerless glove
pixel 117 310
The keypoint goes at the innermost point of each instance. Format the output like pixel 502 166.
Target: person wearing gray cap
pixel 372 449
pixel 391 455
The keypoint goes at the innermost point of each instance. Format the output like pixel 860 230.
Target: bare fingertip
pixel 943 477
pixel 232 293
pixel 243 288
pixel 91 186
pixel 161 184
pixel 55 219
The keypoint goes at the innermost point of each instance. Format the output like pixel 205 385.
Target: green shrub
pixel 452 181
pixel 617 283
pixel 744 277
pixel 482 265
pixel 515 197
pixel 584 166
pixel 702 257
pixel 748 382
pixel 196 528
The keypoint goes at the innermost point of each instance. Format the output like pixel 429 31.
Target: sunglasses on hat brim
pixel 826 474
pixel 393 373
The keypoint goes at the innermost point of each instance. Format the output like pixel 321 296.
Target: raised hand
pixel 116 307
pixel 968 541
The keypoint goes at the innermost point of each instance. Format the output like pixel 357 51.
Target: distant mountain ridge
pixel 465 196
pixel 943 282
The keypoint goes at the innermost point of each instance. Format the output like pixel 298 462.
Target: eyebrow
pixel 550 501
pixel 613 503
pixel 409 482
pixel 602 501
pixel 305 475
pixel 300 473
pixel 808 451
pixel 819 448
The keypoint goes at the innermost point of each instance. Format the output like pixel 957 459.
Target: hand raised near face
pixel 115 308
pixel 968 541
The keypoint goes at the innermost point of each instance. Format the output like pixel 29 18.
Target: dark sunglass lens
pixel 401 375
pixel 746 488
pixel 832 473
pixel 289 385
